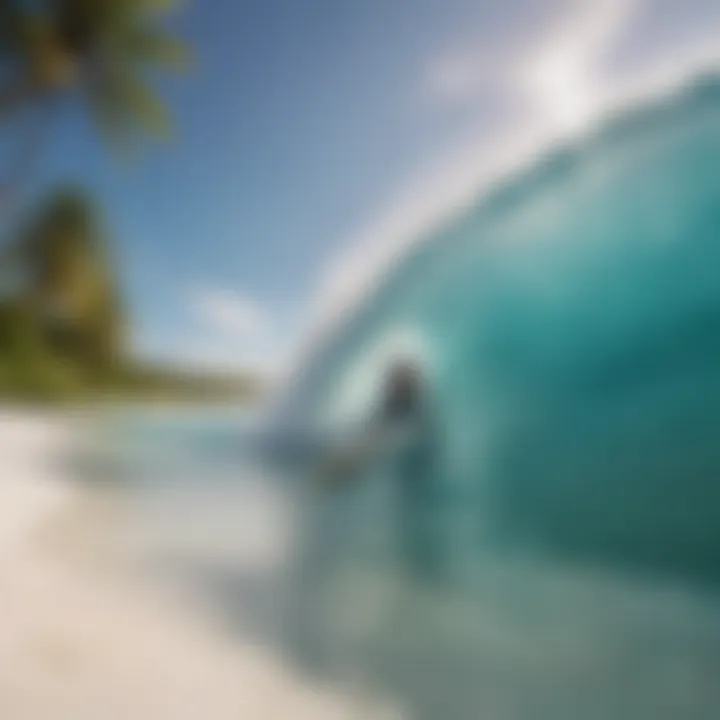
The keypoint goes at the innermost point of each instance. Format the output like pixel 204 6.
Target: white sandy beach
pixel 81 640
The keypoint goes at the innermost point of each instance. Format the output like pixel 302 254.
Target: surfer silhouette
pixel 408 424
pixel 401 440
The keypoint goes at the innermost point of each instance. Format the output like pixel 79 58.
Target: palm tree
pixel 66 280
pixel 99 51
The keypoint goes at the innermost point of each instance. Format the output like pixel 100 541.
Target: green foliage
pixel 28 370
pixel 62 327
pixel 70 286
pixel 102 51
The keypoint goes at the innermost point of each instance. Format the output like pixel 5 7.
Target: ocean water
pixel 568 327
pixel 519 635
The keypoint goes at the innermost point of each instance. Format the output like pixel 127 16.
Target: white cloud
pixel 454 77
pixel 234 333
pixel 229 313
pixel 227 332
pixel 556 68
pixel 562 75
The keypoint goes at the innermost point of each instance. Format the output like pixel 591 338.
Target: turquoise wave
pixel 570 326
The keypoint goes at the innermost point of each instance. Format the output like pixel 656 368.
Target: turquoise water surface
pixel 519 635
pixel 568 326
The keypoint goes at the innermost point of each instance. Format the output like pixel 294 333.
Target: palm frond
pixel 102 50
pixel 122 104
pixel 145 107
pixel 145 45
pixel 161 6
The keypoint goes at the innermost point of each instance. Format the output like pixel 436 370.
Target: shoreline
pixel 83 640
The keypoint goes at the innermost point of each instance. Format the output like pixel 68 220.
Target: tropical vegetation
pixel 102 54
pixel 63 323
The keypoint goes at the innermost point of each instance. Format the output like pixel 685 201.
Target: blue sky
pixel 315 135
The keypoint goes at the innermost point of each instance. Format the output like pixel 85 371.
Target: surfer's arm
pixel 379 439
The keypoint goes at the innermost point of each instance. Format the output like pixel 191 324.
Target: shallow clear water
pixel 518 637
